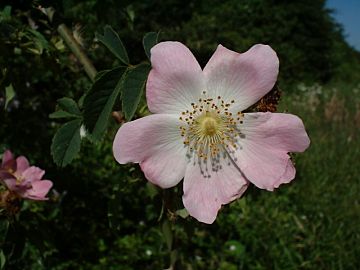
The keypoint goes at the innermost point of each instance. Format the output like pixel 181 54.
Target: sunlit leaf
pixel 150 40
pixel 182 213
pixel 39 41
pixel 132 88
pixel 99 102
pixel 113 42
pixel 9 94
pixel 5 14
pixel 66 143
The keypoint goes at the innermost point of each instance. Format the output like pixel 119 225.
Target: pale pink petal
pixel 176 79
pixel 264 143
pixel 288 175
pixel 244 78
pixel 7 156
pixel 204 195
pixel 280 130
pixel 261 164
pixel 32 174
pixel 155 142
pixel 21 164
pixel 38 190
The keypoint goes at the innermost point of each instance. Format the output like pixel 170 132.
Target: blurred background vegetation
pixel 105 216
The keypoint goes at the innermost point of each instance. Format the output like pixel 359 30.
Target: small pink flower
pixel 22 179
pixel 198 131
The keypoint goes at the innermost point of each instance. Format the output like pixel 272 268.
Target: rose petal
pixel 263 146
pixel 155 142
pixel 21 164
pixel 176 78
pixel 8 162
pixel 5 175
pixel 280 130
pixel 203 195
pixel 10 183
pixel 244 78
pixel 288 175
pixel 7 156
pixel 32 174
pixel 38 190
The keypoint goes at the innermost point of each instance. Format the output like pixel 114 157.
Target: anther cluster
pixel 210 128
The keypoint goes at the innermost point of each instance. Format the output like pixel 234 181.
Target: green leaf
pixel 66 143
pixel 62 114
pixel 69 105
pixel 173 258
pixel 39 42
pixel 167 233
pixel 68 109
pixel 4 227
pixel 100 73
pixel 150 40
pixel 9 94
pixel 5 14
pixel 2 259
pixel 152 190
pixel 81 100
pixel 100 100
pixel 132 88
pixel 182 213
pixel 113 42
pixel 15 242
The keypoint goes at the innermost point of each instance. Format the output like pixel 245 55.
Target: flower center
pixel 210 128
pixel 19 180
pixel 209 124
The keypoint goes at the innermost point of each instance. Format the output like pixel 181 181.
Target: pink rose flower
pixel 22 179
pixel 198 131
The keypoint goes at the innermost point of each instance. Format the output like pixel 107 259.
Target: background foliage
pixel 105 216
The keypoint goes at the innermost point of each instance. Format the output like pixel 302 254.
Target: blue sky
pixel 347 12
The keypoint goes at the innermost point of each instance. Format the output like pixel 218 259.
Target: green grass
pixel 311 223
pixel 327 187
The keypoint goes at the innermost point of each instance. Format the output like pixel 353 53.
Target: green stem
pixel 67 36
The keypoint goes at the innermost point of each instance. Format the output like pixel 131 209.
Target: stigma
pixel 209 128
